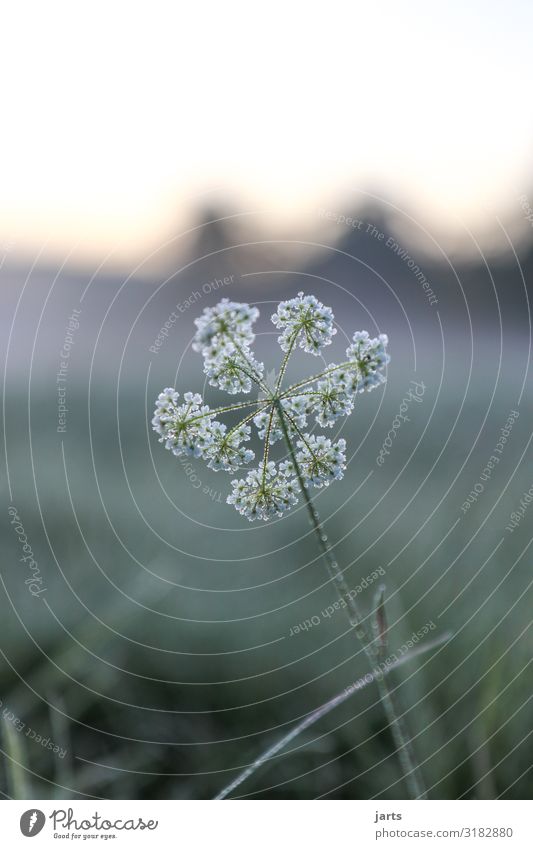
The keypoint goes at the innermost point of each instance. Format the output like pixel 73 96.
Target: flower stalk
pixel 402 742
pixel 224 337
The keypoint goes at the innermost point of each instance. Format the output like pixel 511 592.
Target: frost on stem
pixel 224 337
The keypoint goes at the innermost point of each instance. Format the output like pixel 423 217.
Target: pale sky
pixel 119 117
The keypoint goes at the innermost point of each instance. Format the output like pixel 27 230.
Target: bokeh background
pixel 154 159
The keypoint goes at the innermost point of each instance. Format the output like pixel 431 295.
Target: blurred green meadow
pixel 160 656
pixel 167 641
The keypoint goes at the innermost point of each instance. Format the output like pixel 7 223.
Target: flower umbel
pixel 370 357
pixel 264 493
pixel 320 460
pixel 224 336
pixel 309 319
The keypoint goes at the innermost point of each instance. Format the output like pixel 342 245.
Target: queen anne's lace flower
pixel 345 378
pixel 370 357
pixel 224 336
pixel 320 461
pixel 224 327
pixel 264 493
pixel 304 317
pixel 165 405
pixel 185 429
pixel 296 410
pixel 225 451
pixel 330 400
pixel 233 370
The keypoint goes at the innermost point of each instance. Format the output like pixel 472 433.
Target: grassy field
pixel 168 649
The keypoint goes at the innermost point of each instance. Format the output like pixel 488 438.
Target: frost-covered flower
pixel 233 370
pixel 224 336
pixel 264 493
pixel 296 410
pixel 225 451
pixel 304 317
pixel 330 400
pixel 320 461
pixel 371 359
pixel 184 428
pixel 345 377
pixel 166 403
pixel 224 326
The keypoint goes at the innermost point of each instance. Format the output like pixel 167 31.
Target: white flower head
pixel 233 370
pixel 330 401
pixel 224 336
pixel 371 358
pixel 264 493
pixel 296 410
pixel 225 450
pixel 320 461
pixel 184 429
pixel 304 317
pixel 223 327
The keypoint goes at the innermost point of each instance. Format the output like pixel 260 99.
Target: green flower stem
pixel 322 711
pixel 256 378
pixel 245 420
pixel 301 435
pixel 402 742
pixel 290 389
pixel 267 444
pixel 231 407
pixel 275 395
